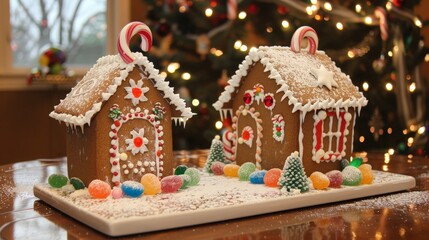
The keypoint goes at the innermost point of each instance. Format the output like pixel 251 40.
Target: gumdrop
pixel 195 176
pixel 367 175
pixel 57 180
pixel 272 177
pixel 117 193
pixel 217 168
pixel 320 181
pixel 186 179
pixel 99 189
pixel 231 170
pixel 245 170
pixel 77 183
pixel 151 184
pixel 351 176
pixel 335 178
pixel 171 184
pixel 257 177
pixel 180 170
pixel 356 162
pixel 132 189
pixel 344 163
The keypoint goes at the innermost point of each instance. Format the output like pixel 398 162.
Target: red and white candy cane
pixel 380 13
pixel 300 34
pixel 227 144
pixel 127 33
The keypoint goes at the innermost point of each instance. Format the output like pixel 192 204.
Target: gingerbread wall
pixel 96 141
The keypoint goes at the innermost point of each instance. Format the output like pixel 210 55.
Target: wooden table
pixel 22 216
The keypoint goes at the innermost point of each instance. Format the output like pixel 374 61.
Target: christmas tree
pixel 216 154
pixel 199 44
pixel 293 176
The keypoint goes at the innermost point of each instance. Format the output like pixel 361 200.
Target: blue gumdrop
pixel 257 177
pixel 132 189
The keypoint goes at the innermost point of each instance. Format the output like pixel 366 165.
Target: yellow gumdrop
pixel 151 184
pixel 367 175
pixel 231 170
pixel 320 181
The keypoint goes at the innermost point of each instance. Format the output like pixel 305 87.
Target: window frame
pixel 118 14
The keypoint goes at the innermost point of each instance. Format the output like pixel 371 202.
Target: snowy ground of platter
pixel 216 198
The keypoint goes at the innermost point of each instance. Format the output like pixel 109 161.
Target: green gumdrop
pixel 77 183
pixel 245 170
pixel 356 162
pixel 180 170
pixel 186 179
pixel 344 163
pixel 57 180
pixel 352 176
pixel 194 174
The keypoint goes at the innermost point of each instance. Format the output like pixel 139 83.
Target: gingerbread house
pixel 119 119
pixel 285 99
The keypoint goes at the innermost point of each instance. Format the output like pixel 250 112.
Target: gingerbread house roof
pixel 102 81
pixel 291 71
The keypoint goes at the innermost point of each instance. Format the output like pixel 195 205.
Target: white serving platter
pixel 216 198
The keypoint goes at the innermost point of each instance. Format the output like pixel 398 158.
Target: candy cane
pixel 227 144
pixel 300 34
pixel 384 29
pixel 127 33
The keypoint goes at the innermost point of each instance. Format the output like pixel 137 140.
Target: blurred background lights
pixel 218 125
pixel 195 102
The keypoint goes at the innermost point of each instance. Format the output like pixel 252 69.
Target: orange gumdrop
pixel 231 170
pixel 272 176
pixel 99 189
pixel 320 181
pixel 367 175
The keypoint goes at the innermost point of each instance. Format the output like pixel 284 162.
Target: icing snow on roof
pixel 101 82
pixel 292 73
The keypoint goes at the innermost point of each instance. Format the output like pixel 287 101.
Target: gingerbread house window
pixel 330 135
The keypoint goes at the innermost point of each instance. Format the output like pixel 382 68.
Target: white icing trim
pixel 255 115
pixel 140 60
pixel 258 56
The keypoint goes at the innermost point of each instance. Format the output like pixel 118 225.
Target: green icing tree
pixel 293 175
pixel 216 154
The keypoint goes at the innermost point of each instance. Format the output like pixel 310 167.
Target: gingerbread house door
pixel 139 137
pixel 247 128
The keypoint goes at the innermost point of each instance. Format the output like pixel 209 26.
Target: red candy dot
pixel 247 98
pixel 268 101
pixel 137 92
pixel 138 141
pixel 113 154
pixel 117 123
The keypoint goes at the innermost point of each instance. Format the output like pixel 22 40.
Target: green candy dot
pixel 180 170
pixel 57 180
pixel 77 183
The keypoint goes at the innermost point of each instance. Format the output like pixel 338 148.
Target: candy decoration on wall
pixel 136 92
pixel 269 101
pixel 248 97
pixel 158 111
pixel 138 142
pixel 227 144
pixel 125 36
pixel 258 92
pixel 278 127
pixel 298 37
pixel 247 136
pixel 114 112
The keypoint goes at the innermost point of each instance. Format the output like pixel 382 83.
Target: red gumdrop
pixel 171 184
pixel 335 178
pixel 217 168
pixel 272 176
